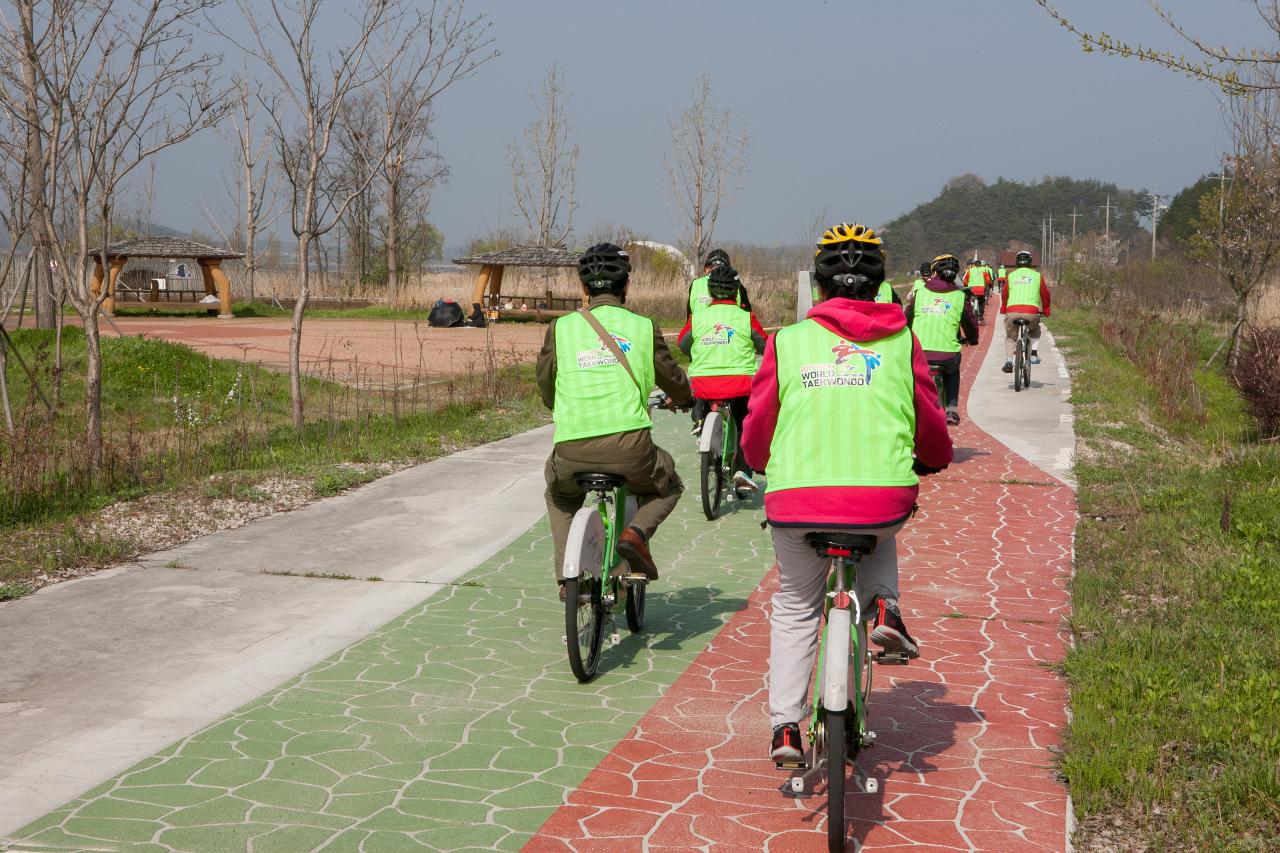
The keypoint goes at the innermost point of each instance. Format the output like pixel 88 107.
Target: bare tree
pixel 114 88
pixel 382 34
pixel 544 165
pixel 1239 222
pixel 1232 69
pixel 256 199
pixel 705 165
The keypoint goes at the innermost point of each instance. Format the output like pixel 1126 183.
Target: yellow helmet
pixel 844 232
pixel 945 260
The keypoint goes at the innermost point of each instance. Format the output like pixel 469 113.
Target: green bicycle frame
pixel 609 510
pixel 856 652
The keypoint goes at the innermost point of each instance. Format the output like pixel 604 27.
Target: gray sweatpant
pixel 797 610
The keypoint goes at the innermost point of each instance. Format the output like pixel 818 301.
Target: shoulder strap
pixel 610 344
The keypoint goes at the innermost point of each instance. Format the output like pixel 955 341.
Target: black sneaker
pixel 953 417
pixel 1008 367
pixel 890 633
pixel 697 429
pixel 787 745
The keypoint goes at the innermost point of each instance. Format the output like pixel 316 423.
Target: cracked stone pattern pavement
pixel 965 757
pixel 458 726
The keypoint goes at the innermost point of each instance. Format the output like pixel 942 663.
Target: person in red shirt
pixel 722 340
pixel 1026 297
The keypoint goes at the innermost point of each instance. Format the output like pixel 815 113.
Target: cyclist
pixel 1026 298
pixel 698 295
pixel 923 275
pixel 976 279
pixel 941 318
pixel 1002 278
pixel 601 415
pixel 722 341
pixel 840 403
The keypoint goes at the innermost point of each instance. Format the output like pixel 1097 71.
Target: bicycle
pixel 935 370
pixel 592 580
pixel 838 722
pixel 718 451
pixel 1022 356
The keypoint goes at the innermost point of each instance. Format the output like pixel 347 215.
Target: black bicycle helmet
pixel 926 269
pixel 723 282
pixel 716 257
pixel 946 267
pixel 1022 259
pixel 604 267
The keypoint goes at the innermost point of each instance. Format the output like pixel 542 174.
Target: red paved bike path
pixel 966 732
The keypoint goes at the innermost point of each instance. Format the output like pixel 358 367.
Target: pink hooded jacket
pixel 845 506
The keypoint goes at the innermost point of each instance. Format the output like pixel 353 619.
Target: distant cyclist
pixel 1026 298
pixel 941 316
pixel 1002 278
pixel 698 294
pixel 600 411
pixel 976 281
pixel 924 275
pixel 722 342
pixel 841 403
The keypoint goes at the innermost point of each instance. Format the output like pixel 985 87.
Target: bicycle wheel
pixel 583 625
pixel 864 655
pixel 1026 363
pixel 635 606
pixel 712 483
pixel 836 725
pixel 1019 356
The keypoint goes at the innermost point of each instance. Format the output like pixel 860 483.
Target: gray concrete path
pixel 1037 423
pixel 104 671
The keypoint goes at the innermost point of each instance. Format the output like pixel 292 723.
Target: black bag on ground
pixel 445 315
pixel 477 317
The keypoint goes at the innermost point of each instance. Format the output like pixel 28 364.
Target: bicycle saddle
pixel 1021 322
pixel 598 482
pixel 858 543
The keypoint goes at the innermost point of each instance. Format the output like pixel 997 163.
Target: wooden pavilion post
pixel 117 264
pixel 482 284
pixel 215 277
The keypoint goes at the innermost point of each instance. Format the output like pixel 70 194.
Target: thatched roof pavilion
pixel 488 287
pixel 209 258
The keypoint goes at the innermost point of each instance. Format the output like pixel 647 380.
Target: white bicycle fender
pixel 585 545
pixel 835 676
pixel 712 436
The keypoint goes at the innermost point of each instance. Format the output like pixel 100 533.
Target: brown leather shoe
pixel 635 550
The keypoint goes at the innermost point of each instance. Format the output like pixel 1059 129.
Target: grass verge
pixel 1175 676
pixel 204 431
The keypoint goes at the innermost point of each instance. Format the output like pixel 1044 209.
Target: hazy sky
pixel 863 109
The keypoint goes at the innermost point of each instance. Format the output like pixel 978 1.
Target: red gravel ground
pixel 378 353
pixel 966 732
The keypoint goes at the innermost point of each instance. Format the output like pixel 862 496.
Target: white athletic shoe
pixel 745 483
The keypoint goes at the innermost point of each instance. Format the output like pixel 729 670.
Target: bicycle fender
pixel 712 433
pixel 835 675
pixel 584 548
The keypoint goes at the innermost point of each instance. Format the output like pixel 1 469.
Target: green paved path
pixel 455 727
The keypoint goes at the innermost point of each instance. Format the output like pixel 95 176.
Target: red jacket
pixel 720 387
pixel 846 506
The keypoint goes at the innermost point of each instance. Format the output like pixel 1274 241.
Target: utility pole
pixel 1108 226
pixel 1048 264
pixel 1074 217
pixel 1155 218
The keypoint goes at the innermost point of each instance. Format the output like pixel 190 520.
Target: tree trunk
pixel 295 331
pixel 93 389
pixel 33 166
pixel 250 234
pixel 4 386
pixel 1242 310
pixel 393 242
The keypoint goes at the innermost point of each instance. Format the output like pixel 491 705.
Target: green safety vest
pixel 846 410
pixel 722 344
pixel 885 293
pixel 936 319
pixel 974 278
pixel 1024 288
pixel 700 296
pixel 1000 274
pixel 594 394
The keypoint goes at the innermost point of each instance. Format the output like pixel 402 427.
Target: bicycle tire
pixel 1026 363
pixel 836 775
pixel 712 475
pixel 1019 355
pixel 584 658
pixel 864 655
pixel 635 606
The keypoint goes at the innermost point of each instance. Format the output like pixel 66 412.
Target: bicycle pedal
pixel 892 658
pixel 615 639
pixel 792 765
